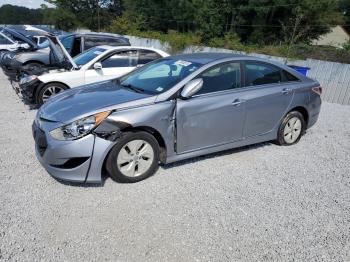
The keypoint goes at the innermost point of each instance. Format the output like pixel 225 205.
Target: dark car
pixel 41 57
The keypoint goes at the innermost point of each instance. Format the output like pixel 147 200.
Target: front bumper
pixel 11 68
pixel 28 90
pixel 79 160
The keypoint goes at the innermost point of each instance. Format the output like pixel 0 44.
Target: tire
pixel 123 162
pixel 43 94
pixel 291 129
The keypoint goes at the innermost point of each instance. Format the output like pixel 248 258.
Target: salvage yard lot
pixel 262 202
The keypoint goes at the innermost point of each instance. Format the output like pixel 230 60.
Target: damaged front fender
pixel 111 130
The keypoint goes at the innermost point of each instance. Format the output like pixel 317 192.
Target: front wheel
pixel 134 158
pixel 291 129
pixel 48 91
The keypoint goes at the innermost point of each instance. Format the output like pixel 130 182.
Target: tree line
pixel 249 21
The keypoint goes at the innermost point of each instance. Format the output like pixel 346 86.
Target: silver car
pixel 172 109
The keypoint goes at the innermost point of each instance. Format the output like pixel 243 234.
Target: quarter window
pixel 121 59
pixel 219 78
pixel 261 74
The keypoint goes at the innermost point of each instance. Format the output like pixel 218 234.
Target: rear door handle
pixel 286 91
pixel 238 102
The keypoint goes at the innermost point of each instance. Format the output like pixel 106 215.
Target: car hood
pixel 87 100
pixel 58 51
pixel 23 38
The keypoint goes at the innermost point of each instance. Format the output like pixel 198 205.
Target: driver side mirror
pixel 98 66
pixel 192 87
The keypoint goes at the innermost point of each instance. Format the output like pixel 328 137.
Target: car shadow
pixel 215 155
pixel 193 160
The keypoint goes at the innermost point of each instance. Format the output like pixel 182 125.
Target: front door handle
pixel 286 91
pixel 238 102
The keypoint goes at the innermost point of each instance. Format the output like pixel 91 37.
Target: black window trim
pixel 222 91
pixel 262 63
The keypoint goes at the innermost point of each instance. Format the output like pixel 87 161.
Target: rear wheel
pixel 291 129
pixel 48 91
pixel 134 158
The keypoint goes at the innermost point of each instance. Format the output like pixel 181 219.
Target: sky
pixel 26 3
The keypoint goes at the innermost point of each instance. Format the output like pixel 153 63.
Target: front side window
pixel 121 59
pixel 261 74
pixel 220 78
pixel 159 76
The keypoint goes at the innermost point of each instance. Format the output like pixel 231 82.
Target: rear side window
pixel 96 41
pixel 146 56
pixel 261 74
pixel 288 77
pixel 222 77
pixel 121 59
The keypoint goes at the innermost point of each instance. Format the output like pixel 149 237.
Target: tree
pixel 91 14
pixel 11 14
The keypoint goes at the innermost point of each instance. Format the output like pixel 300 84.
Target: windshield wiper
pixel 133 88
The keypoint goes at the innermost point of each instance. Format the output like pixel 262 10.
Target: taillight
pixel 317 90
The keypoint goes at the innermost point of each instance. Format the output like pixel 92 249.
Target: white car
pixel 97 64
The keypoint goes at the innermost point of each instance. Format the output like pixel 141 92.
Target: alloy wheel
pixel 292 130
pixel 135 158
pixel 51 91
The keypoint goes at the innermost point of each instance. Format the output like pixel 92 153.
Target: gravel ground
pixel 263 202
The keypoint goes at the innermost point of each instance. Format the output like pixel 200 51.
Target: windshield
pixel 88 55
pixel 159 76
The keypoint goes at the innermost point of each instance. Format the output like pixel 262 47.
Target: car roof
pixel 94 34
pixel 108 47
pixel 206 58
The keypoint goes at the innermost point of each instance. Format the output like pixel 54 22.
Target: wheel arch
pixel 302 110
pixel 43 85
pixel 156 134
pixel 33 61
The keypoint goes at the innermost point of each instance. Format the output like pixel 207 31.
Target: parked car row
pixel 125 109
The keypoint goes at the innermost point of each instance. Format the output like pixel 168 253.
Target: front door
pixel 215 115
pixel 114 66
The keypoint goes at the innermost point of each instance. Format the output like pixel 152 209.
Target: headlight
pixel 79 128
pixel 27 79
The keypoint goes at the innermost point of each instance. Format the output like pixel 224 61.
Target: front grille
pixel 40 139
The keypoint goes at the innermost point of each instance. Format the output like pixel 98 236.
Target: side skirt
pixel 245 142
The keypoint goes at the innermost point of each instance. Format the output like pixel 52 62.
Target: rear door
pixel 215 115
pixel 113 66
pixel 267 95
